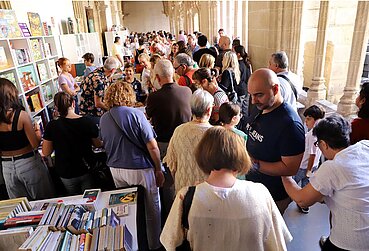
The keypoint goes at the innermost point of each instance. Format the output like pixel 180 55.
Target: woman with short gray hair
pixel 180 156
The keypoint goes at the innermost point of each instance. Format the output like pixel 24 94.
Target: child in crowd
pixel 137 87
pixel 89 59
pixel 229 117
pixel 310 160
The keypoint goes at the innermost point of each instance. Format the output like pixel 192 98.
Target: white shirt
pixel 344 181
pixel 286 90
pixel 243 217
pixel 145 79
pixel 310 148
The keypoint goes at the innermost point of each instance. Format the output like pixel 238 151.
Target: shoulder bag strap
pixel 289 81
pixel 188 81
pixel 125 134
pixel 187 202
pixel 231 76
pixel 15 120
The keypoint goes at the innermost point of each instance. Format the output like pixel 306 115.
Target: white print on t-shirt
pixel 254 134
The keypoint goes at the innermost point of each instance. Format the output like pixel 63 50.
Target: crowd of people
pixel 195 112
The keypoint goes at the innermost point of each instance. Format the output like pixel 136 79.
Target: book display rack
pixel 93 221
pixel 30 63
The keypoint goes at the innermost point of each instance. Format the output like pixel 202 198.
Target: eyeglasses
pixel 316 143
pixel 176 68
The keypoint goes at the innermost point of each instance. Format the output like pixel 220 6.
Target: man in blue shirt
pixel 276 137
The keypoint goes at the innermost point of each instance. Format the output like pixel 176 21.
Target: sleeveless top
pixel 13 140
pixel 138 52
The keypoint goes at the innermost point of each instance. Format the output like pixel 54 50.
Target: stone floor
pixel 306 229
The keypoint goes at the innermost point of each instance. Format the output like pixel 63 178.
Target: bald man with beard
pixel 276 137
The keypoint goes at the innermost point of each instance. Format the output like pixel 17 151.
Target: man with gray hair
pixel 93 88
pixel 167 108
pixel 183 66
pixel 291 85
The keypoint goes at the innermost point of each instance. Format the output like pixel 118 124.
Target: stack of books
pixel 77 219
pixel 10 208
pixel 103 238
pixel 24 219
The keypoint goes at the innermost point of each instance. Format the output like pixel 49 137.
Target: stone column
pixel 245 24
pixel 346 106
pixel 317 89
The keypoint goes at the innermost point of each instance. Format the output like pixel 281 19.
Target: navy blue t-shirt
pixel 271 136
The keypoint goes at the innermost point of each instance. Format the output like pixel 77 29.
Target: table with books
pixel 96 220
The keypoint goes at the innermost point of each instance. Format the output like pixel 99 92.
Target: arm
pixel 120 59
pixel 65 88
pixel 99 103
pixel 33 133
pixel 96 142
pixel 289 165
pixel 310 162
pixel 47 147
pixel 304 197
pixel 154 152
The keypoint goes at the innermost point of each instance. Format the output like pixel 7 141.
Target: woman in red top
pixel 360 125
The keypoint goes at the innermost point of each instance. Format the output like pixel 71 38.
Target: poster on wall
pixel 9 25
pixel 35 23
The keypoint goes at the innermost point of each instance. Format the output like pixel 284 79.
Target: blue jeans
pixel 78 185
pixel 301 176
pixel 28 177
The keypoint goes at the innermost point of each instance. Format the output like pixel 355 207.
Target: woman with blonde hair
pixel 223 207
pixel 230 77
pixel 132 151
pixel 207 61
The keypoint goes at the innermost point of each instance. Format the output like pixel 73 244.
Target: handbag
pixel 187 202
pixel 99 171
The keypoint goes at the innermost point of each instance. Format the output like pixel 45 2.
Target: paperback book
pixel 122 198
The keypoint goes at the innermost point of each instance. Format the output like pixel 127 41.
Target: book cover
pixel 52 68
pixel 122 198
pixel 8 24
pixel 36 49
pixel 3 60
pixel 9 76
pixel 27 76
pixel 76 219
pixel 22 56
pixel 45 28
pixel 91 194
pixel 36 102
pixel 34 23
pixel 47 49
pixel 42 71
pixel 24 29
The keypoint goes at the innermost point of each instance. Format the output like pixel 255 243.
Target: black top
pixel 271 136
pixel 197 55
pixel 168 108
pixel 13 140
pixel 137 87
pixel 138 52
pixel 72 143
pixel 245 72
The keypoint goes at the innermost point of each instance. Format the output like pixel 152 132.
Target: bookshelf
pixel 30 63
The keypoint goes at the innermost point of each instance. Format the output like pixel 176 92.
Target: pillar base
pixel 317 91
pixel 347 107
